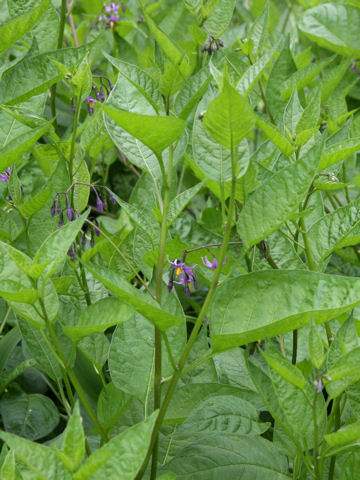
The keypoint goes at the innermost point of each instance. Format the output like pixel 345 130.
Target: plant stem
pixel 294 348
pixel 59 45
pixel 316 438
pixel 199 321
pixel 73 140
pixel 158 292
pixel 71 375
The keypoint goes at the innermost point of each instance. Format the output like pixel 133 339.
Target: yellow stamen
pixel 178 271
pixel 111 24
pixel 91 104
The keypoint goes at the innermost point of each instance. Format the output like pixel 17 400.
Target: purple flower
pixel 112 20
pixel 214 262
pixel 318 385
pixel 96 230
pixel 187 275
pixel 91 102
pixel 111 196
pixel 53 206
pixel 4 176
pixel 69 212
pixel 111 8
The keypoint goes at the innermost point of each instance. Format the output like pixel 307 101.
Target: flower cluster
pixel 4 176
pixel 113 16
pixel 57 208
pixel 212 45
pixel 97 95
pixel 318 383
pixel 186 274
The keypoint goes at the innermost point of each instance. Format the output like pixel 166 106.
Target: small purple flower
pixel 111 8
pixel 69 212
pixel 53 206
pixel 214 262
pixel 112 21
pixel 61 220
pixel 71 253
pixel 318 385
pixel 83 239
pixel 111 85
pixel 187 275
pixel 91 102
pixel 96 230
pixel 111 196
pixel 4 176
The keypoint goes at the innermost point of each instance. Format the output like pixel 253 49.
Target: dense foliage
pixel 179 240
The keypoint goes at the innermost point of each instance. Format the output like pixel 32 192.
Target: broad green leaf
pixel 309 121
pixel 274 134
pixel 345 435
pixel 223 414
pixel 301 78
pixel 81 192
pixel 292 114
pixel 13 151
pixel 15 28
pixel 99 316
pixel 8 469
pixel 338 152
pixel 351 466
pixel 335 230
pixel 284 368
pixel 34 75
pixel 16 292
pixel 74 439
pixel 281 71
pixel 334 27
pixel 10 375
pixel 140 301
pixel 346 340
pixel 220 17
pixel 155 132
pixel 81 81
pixel 229 118
pixel 122 456
pixel 41 460
pixel 178 204
pixel 209 156
pixel 32 416
pixel 170 50
pixel 331 78
pixel 22 261
pixel 39 349
pixel 190 396
pixel 253 73
pixel 53 251
pixel 35 203
pixel 95 347
pixel 343 373
pixel 226 456
pixel 111 405
pixel 277 199
pixel 191 93
pixel 7 344
pixel 141 80
pixel 282 301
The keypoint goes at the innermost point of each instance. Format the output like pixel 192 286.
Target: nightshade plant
pixel 179 240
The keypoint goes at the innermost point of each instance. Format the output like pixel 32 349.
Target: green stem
pixel 294 349
pixel 69 373
pixel 73 141
pixel 199 321
pixel 158 292
pixel 59 45
pixel 316 439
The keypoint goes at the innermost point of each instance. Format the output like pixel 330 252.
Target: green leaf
pixel 223 414
pixel 7 344
pixel 223 456
pixel 343 373
pixel 275 136
pixel 282 301
pixel 178 204
pixel 347 434
pixel 10 375
pixel 172 52
pixel 316 348
pixel 16 292
pixel 229 118
pixel 81 81
pixel 81 192
pixel 122 456
pixel 277 199
pixel 34 75
pixel 99 316
pixel 53 251
pixel 191 93
pixel 32 416
pixel 41 460
pixel 140 301
pixel 338 152
pixel 309 121
pixel 155 132
pixel 259 31
pixel 335 230
pixel 220 17
pixel 15 28
pixel 334 27
pixel 253 73
pixel 284 368
pixel 13 151
pixel 8 469
pixel 74 439
pixel 35 203
pixel 141 80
